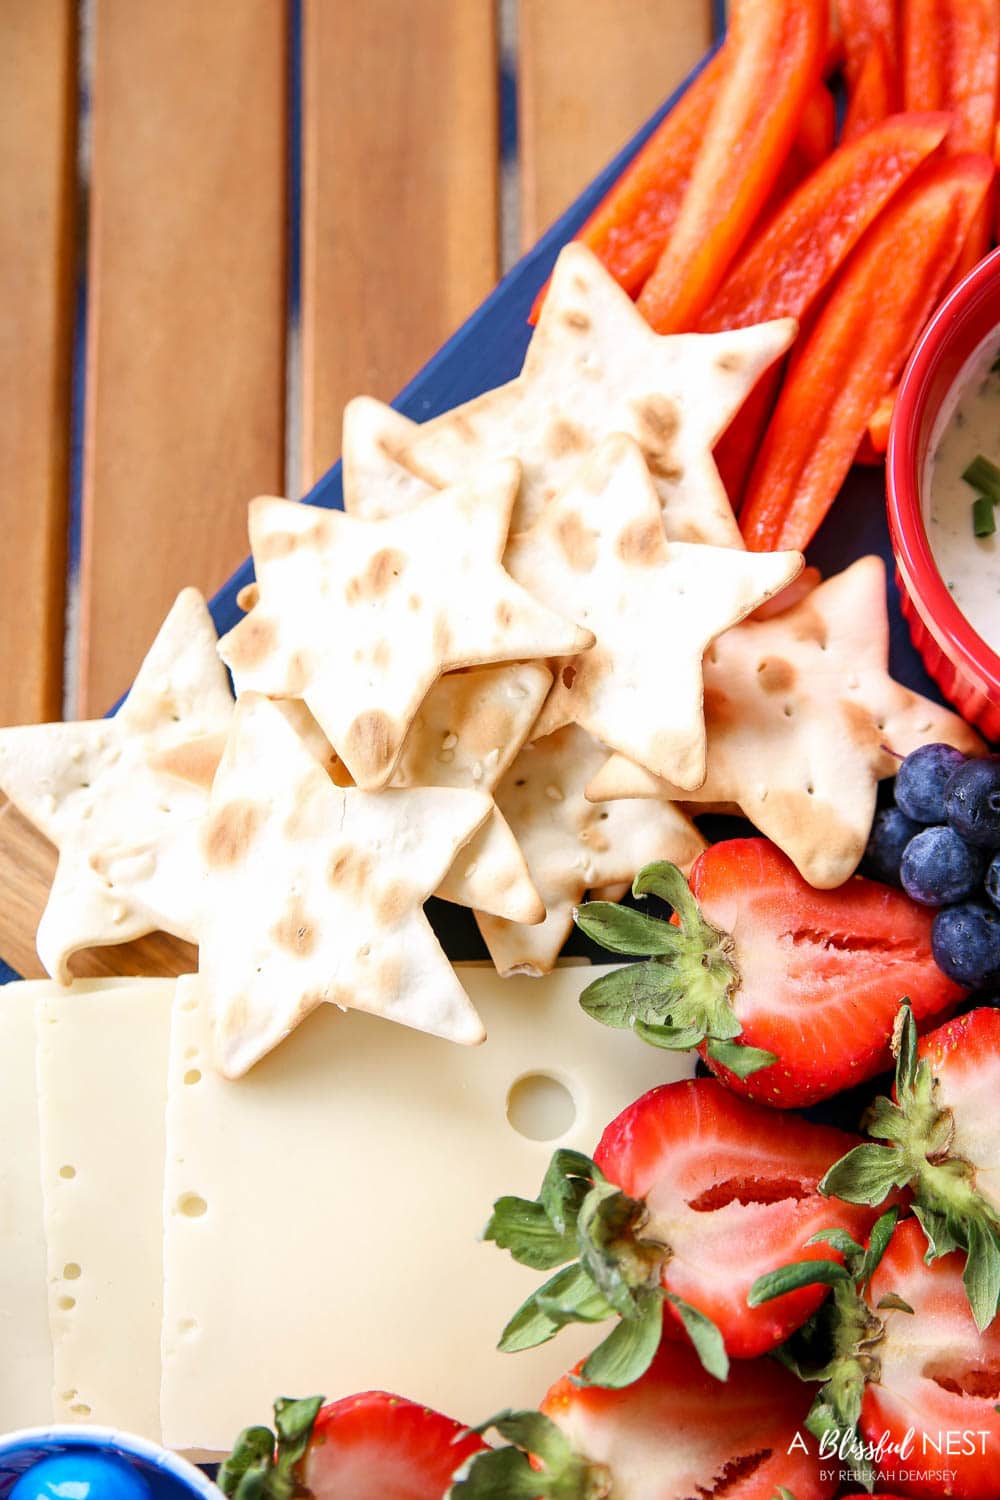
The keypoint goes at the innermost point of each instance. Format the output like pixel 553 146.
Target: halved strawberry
pixel 943 1143
pixel 674 1434
pixel 790 993
pixel 909 1384
pixel 373 1446
pixel 692 1195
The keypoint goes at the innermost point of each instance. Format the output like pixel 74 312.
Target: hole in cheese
pixel 193 1075
pixel 67 1173
pixel 71 1271
pixel 192 1205
pixel 540 1107
pixel 66 1304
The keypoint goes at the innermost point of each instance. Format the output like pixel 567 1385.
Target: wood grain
pixel 27 864
pixel 186 317
pixel 400 181
pixel 37 171
pixel 589 73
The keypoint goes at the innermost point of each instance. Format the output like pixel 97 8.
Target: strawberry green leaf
pixel 525 1229
pixel 508 1473
pixel 628 1350
pixel 981 1276
pixel 532 1431
pixel 893 1301
pixel 741 1060
pixel 867 1174
pixel 878 1244
pixel 253 1452
pixel 621 1264
pixel 670 1038
pixel 530 1325
pixel 793 1277
pixel 621 929
pixel 624 996
pixel 939 1230
pixel 886 1121
pixel 666 881
pixel 497 1474
pixel 705 1336
pixel 572 1297
pixel 568 1179
pixel 839 1239
pixel 263 1464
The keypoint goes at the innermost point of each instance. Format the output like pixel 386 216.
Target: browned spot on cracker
pixel 196 761
pixel 383 570
pixel 504 614
pixel 442 637
pixel 576 320
pixel 720 710
pixel 248 597
pixel 807 625
pixel 311 799
pixel 294 932
pixel 252 642
pixel 730 362
pixel 277 544
pixel 370 743
pixel 230 831
pixel 392 903
pixel 388 977
pixel 658 420
pixel 641 542
pixel 564 437
pixel 862 729
pixel 349 869
pixel 776 675
pixel 576 542
pixel 298 675
pixel 381 655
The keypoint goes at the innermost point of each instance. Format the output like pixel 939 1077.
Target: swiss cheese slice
pixel 322 1215
pixel 102 1056
pixel 25 1347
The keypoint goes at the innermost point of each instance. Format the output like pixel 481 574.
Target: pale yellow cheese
pixel 102 1054
pixel 25 1348
pixel 321 1215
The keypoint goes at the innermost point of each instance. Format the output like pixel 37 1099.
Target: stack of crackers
pixel 530 645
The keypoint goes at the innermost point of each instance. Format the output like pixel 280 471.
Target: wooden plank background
pixel 189 263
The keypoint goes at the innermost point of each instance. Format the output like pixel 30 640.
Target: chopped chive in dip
pixel 984 476
pixel 984 521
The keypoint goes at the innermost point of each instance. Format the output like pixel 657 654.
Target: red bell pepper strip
pixel 951 60
pixel 629 227
pixel 856 350
pixel 789 266
pixel 880 420
pixel 870 29
pixel 775 53
pixel 817 127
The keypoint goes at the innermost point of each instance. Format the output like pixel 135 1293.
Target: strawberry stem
pixel 264 1464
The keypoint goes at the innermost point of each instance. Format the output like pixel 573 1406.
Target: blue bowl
pixel 168 1476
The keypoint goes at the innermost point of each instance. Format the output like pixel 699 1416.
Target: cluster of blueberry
pixel 941 843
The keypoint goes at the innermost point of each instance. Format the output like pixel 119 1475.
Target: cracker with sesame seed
pixel 313 894
pixel 360 618
pixel 122 798
pixel 594 366
pixel 803 720
pixel 573 846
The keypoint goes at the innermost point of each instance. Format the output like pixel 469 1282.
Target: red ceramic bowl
pixel 964 667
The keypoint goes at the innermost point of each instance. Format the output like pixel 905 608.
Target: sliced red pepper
pixel 854 354
pixel 775 53
pixel 629 227
pixel 870 29
pixel 817 127
pixel 880 421
pixel 951 60
pixel 788 266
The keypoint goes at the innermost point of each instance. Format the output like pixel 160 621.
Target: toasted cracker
pixel 572 846
pixel 803 720
pixel 360 618
pixel 377 479
pixel 598 554
pixel 122 798
pixel 314 894
pixel 594 366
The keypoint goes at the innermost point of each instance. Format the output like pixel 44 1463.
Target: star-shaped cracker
pixel 378 481
pixel 314 892
pixel 122 798
pixel 573 846
pixel 594 366
pixel 803 720
pixel 360 618
pixel 599 555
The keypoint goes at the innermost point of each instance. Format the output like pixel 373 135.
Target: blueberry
pixel 966 943
pixel 993 880
pixel 938 867
pixel 921 780
pixel 891 831
pixel 972 802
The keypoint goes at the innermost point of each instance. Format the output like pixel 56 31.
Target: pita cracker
pixel 360 618
pixel 594 366
pixel 803 720
pixel 338 917
pixel 599 555
pixel 570 850
pixel 122 798
pixel 377 481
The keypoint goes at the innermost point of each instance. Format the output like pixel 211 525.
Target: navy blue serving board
pixel 487 351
